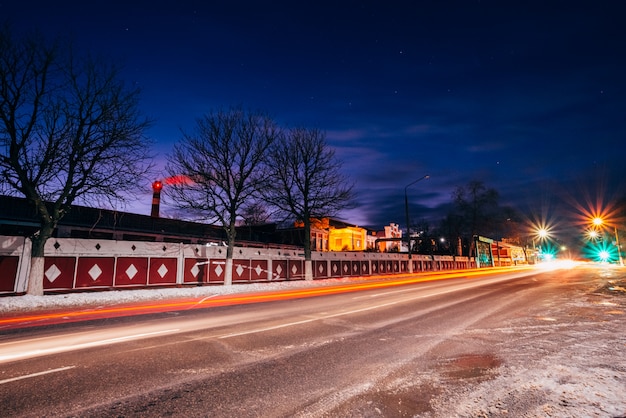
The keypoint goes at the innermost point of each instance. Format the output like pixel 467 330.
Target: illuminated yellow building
pixel 348 238
pixel 332 235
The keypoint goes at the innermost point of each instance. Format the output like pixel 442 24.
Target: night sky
pixel 528 97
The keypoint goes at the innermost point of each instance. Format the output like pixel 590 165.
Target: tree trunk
pixel 228 271
pixel 35 276
pixel 230 249
pixel 308 270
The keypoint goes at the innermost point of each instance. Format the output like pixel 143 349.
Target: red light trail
pixel 64 316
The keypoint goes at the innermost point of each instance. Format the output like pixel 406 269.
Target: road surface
pixel 425 349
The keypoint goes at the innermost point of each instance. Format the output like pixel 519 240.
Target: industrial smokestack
pixel 156 198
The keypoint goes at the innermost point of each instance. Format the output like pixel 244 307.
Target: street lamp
pixel 541 233
pixel 406 213
pixel 598 222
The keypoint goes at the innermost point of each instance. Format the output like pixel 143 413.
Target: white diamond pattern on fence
pixel 131 271
pixel 279 269
pixel 239 270
pixel 162 270
pixel 94 272
pixel 195 270
pixel 52 273
pixel 219 270
pixel 294 269
pixel 258 270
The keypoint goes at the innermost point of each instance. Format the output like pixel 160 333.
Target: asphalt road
pixel 396 351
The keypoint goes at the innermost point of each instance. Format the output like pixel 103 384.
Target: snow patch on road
pixel 578 370
pixel 548 389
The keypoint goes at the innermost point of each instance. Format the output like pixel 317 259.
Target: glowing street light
pixel 542 234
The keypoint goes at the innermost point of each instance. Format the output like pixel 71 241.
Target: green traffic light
pixel 601 251
pixel 604 255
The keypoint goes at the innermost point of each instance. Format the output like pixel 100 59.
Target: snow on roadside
pixel 573 368
pixel 556 386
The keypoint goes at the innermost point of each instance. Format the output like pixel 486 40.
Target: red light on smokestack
pixel 156 198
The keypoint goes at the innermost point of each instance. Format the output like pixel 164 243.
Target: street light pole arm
pixel 412 183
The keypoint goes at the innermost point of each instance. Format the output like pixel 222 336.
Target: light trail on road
pixel 65 316
pixel 19 353
pixel 100 337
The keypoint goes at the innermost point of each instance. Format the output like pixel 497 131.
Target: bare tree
pixel 476 206
pixel 69 131
pixel 224 160
pixel 255 213
pixel 306 181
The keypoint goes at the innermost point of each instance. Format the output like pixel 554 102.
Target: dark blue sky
pixel 529 97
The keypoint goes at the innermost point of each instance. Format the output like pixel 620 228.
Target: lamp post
pixel 619 250
pixel 541 234
pixel 406 213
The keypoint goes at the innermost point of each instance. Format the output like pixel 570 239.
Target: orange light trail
pixel 50 318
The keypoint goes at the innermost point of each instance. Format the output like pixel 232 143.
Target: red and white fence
pixel 83 264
